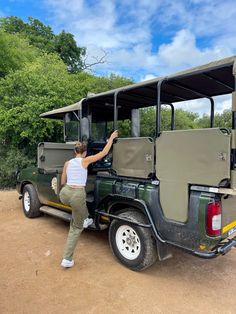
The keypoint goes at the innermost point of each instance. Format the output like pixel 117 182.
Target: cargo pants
pixel 76 198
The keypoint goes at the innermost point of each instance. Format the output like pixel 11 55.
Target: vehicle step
pixel 55 212
pixel 66 216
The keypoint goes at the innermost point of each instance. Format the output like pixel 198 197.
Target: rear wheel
pixel 133 246
pixel 30 202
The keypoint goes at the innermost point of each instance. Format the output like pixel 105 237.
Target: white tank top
pixel 76 173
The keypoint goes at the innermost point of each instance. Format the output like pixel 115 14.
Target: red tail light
pixel 213 221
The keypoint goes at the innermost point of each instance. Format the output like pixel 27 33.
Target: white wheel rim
pixel 128 242
pixel 27 201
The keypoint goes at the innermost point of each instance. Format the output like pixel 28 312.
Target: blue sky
pixel 141 38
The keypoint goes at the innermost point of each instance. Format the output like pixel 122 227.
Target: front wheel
pixel 30 202
pixel 133 246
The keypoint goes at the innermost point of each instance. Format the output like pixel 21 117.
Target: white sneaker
pixel 87 222
pixel 66 263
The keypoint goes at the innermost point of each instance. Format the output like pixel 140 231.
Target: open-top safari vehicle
pixel 174 189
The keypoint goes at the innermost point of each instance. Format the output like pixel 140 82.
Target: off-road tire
pixel 30 201
pixel 144 251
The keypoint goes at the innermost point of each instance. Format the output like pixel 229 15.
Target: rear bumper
pixel 221 249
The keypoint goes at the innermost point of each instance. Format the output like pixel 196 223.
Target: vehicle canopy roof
pixel 209 80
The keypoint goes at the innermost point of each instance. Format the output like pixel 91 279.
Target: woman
pixel 74 177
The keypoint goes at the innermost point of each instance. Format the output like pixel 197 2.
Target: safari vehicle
pixel 174 189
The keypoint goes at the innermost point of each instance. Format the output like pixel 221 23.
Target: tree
pixel 223 120
pixel 41 86
pixel 70 53
pixel 42 37
pixel 15 52
pixel 183 120
pixel 12 24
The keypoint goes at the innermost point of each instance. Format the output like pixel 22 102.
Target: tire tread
pixel 34 202
pixel 149 252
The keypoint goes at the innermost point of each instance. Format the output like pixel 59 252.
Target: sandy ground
pixel 32 281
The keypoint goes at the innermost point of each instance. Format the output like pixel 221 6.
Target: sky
pixel 141 39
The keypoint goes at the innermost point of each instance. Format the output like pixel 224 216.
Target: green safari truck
pixel 174 189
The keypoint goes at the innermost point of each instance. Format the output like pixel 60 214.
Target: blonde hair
pixel 80 147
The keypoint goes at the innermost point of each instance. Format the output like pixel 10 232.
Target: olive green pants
pixel 76 198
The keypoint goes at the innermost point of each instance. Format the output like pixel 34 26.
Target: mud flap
pixel 163 251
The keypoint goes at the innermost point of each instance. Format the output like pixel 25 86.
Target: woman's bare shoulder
pixel 66 163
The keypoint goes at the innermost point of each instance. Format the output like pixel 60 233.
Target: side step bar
pixel 67 216
pixel 55 212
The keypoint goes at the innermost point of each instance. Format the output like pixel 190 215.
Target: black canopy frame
pixel 206 81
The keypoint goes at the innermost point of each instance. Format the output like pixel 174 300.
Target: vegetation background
pixel 41 71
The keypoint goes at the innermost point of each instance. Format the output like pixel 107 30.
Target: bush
pixel 11 160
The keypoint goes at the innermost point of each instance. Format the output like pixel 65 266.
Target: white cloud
pixel 202 106
pixel 202 17
pixel 222 103
pixel 98 23
pixel 199 106
pixel 182 52
pixel 146 38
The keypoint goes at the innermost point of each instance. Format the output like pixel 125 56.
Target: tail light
pixel 213 221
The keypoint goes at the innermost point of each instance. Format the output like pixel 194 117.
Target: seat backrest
pixel 200 156
pixel 53 155
pixel 133 157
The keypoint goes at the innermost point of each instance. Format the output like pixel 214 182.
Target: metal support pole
pixel 172 126
pixel 158 108
pixel 212 111
pixel 80 129
pixel 233 134
pixel 234 105
pixel 115 110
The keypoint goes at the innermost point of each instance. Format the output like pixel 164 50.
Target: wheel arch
pixel 24 183
pixel 121 205
pixel 114 204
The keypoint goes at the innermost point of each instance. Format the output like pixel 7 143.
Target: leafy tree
pixel 70 53
pixel 42 37
pixel 24 94
pixel 223 120
pixel 15 52
pixel 183 120
pixel 12 24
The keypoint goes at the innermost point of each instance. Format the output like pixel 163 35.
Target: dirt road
pixel 32 281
